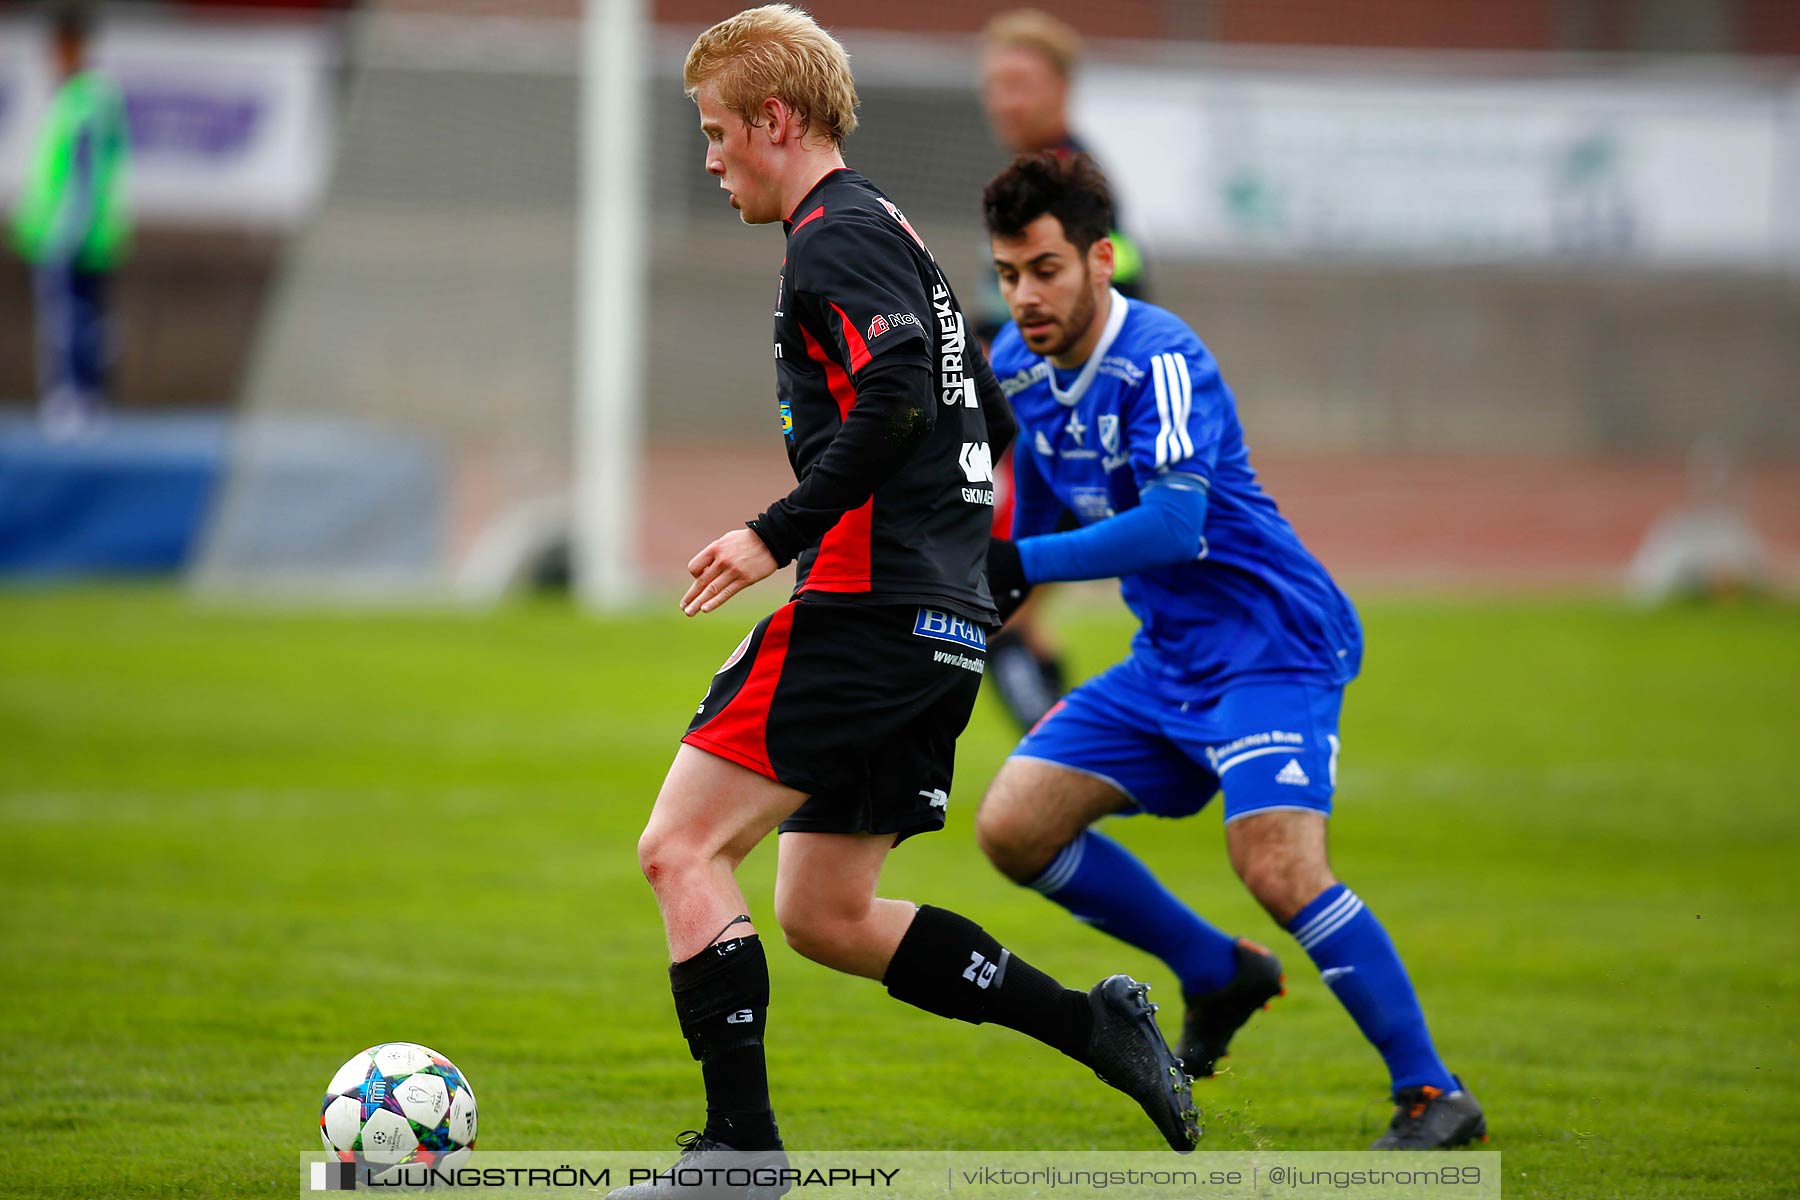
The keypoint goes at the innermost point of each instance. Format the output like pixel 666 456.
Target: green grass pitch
pixel 236 847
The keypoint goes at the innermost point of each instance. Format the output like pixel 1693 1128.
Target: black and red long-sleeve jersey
pixel 891 413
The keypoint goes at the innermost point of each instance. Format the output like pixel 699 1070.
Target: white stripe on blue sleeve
pixel 1162 411
pixel 1179 364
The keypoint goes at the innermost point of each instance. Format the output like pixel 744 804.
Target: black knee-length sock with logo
pixel 722 1001
pixel 948 965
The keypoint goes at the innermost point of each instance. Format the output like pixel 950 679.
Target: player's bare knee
pixel 1281 858
pixel 993 836
pixel 1272 888
pixel 1018 849
pixel 994 827
pixel 816 926
pixel 1282 883
pixel 1014 838
pixel 824 937
pixel 792 913
pixel 665 857
pixel 651 860
pixel 805 940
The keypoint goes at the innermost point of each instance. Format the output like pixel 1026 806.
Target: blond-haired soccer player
pixel 836 718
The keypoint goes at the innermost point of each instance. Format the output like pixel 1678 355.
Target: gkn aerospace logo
pixel 977 463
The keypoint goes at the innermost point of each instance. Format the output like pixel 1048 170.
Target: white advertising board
pixel 230 123
pixel 1671 172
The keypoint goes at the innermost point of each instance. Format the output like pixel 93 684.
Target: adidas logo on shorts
pixel 1292 774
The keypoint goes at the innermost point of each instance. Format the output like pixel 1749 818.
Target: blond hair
pixel 776 50
pixel 1038 31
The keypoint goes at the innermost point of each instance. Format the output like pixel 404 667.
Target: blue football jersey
pixel 1150 404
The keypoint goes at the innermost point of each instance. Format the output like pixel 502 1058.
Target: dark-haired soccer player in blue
pixel 1234 680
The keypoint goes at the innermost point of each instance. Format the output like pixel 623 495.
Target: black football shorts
pixel 859 706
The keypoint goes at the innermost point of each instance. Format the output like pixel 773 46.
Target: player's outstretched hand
pixel 725 568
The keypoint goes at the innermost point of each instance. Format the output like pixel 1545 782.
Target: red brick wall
pixel 1763 27
pixel 1120 18
pixel 1435 24
pixel 1766 27
pixel 1769 27
pixel 1489 24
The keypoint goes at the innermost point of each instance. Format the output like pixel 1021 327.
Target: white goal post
pixel 612 289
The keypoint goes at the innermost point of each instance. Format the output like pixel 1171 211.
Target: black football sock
pixel 722 999
pixel 1024 684
pixel 948 965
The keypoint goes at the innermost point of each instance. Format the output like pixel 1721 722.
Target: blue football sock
pixel 1105 885
pixel 1358 962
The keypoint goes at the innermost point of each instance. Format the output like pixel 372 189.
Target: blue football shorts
pixel 1268 745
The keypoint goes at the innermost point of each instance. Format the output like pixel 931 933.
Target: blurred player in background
pixel 73 226
pixel 836 718
pixel 1235 679
pixel 1706 548
pixel 1028 62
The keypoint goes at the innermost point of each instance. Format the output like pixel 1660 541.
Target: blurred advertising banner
pixel 1676 171
pixel 231 122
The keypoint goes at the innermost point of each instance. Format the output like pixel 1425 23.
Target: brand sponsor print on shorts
pixel 977 665
pixel 1256 745
pixel 949 627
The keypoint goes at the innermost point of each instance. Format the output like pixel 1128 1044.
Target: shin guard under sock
pixel 722 1000
pixel 948 965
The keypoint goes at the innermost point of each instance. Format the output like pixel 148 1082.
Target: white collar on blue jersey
pixel 1115 320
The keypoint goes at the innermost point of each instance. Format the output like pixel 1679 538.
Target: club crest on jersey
pixel 1108 425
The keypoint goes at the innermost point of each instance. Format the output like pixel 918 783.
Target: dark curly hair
pixel 1069 187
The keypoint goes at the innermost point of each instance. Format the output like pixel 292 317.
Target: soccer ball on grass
pixel 399 1103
